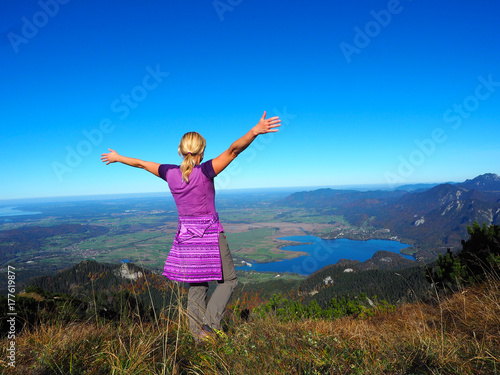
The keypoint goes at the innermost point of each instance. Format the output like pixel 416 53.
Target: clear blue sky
pixel 370 92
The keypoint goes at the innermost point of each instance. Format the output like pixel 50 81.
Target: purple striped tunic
pixel 194 256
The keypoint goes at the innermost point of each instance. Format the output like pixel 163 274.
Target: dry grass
pixel 459 335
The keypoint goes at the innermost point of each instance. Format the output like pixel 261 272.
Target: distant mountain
pixel 416 187
pixel 435 218
pixel 338 198
pixel 488 182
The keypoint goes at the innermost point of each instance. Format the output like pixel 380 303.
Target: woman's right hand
pixel 110 157
pixel 267 125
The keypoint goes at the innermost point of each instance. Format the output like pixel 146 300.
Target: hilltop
pixel 488 182
pixel 459 335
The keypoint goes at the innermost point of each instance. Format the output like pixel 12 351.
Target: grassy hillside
pixel 458 334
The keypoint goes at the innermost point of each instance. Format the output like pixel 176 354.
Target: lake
pixel 11 211
pixel 324 252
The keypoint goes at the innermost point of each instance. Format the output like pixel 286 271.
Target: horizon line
pixel 220 190
pixel 366 186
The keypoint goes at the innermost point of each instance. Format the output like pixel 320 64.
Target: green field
pixel 254 244
pixel 145 236
pixel 143 231
pixel 247 215
pixel 291 215
pixel 252 277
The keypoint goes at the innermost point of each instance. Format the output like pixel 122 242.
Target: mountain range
pixel 432 219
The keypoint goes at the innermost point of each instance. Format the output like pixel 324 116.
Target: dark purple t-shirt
pixel 196 197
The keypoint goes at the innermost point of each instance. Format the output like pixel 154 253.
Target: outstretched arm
pixel 113 157
pixel 264 126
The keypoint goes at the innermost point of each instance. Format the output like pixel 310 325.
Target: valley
pixel 56 235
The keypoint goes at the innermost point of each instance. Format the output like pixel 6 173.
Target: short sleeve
pixel 208 170
pixel 163 169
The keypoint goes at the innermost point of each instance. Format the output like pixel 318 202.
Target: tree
pixel 480 252
pixel 449 272
pixel 478 258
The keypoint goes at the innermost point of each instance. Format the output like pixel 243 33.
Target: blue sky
pixel 370 92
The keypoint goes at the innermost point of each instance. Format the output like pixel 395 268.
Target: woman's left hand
pixel 269 125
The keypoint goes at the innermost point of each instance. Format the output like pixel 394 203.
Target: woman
pixel 200 252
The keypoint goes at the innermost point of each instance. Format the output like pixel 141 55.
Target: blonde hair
pixel 191 144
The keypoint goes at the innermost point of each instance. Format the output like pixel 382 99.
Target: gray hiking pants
pixel 211 313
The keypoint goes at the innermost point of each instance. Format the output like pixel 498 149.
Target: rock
pixel 125 272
